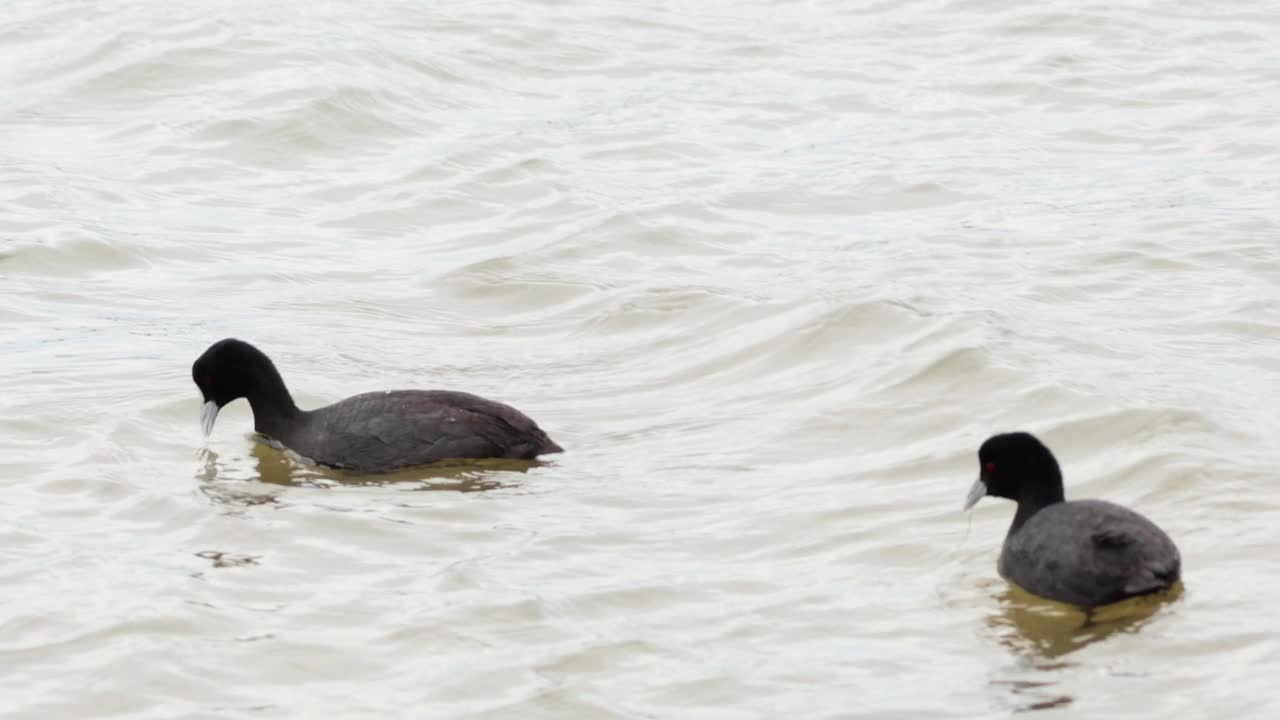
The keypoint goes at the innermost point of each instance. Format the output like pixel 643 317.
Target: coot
pixel 372 432
pixel 1084 552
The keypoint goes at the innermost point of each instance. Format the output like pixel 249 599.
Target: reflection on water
pixel 1041 632
pixel 1033 695
pixel 1041 628
pixel 221 559
pixel 279 467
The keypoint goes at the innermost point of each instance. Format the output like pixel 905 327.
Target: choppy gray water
pixel 770 271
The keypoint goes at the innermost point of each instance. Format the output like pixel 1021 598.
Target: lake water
pixel 770 271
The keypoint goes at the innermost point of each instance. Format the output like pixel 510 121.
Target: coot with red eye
pixel 373 432
pixel 1083 552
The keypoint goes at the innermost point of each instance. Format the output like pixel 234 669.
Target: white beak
pixel 208 414
pixel 976 493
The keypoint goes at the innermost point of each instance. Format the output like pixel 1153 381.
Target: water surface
pixel 770 271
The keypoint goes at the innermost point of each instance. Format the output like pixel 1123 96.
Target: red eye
pixel 990 468
pixel 208 379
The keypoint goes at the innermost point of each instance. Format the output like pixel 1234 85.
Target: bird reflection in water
pixel 1042 628
pixel 1042 632
pixel 281 468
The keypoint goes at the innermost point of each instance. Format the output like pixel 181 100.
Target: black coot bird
pixel 372 432
pixel 1087 553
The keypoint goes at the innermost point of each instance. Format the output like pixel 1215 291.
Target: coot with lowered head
pixel 1083 552
pixel 372 432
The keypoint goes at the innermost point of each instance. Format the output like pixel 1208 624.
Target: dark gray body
pixel 381 431
pixel 1089 553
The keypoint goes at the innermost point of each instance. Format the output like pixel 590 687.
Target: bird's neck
pixel 273 406
pixel 1046 492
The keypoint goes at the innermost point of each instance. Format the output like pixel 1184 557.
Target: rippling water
pixel 770 271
